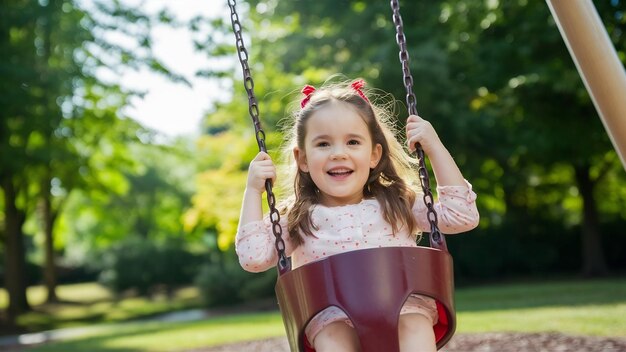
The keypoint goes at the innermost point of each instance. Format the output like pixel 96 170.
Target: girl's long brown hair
pixel 389 182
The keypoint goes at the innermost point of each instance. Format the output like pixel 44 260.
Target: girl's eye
pixel 323 144
pixel 353 142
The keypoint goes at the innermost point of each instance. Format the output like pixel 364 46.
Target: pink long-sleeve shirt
pixel 352 227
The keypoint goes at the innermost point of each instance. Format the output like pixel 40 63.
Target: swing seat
pixel 370 286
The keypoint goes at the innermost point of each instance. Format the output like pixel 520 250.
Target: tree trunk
pixel 47 218
pixel 594 262
pixel 15 262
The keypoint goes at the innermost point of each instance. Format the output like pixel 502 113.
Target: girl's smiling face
pixel 338 153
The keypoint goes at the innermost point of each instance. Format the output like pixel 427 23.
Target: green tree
pixel 493 77
pixel 50 99
pixel 16 38
pixel 536 110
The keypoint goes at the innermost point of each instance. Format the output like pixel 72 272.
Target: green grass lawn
pixel 595 307
pixel 91 303
pixel 148 336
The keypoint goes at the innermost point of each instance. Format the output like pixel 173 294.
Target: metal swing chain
pixel 283 263
pixel 436 239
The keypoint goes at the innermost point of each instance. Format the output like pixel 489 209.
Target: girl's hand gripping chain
pixel 421 131
pixel 261 168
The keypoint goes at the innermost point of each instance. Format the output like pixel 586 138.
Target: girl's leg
pixel 337 337
pixel 416 333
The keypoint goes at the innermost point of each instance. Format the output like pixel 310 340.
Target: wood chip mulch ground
pixel 488 342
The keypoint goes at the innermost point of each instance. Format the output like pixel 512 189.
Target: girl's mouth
pixel 340 173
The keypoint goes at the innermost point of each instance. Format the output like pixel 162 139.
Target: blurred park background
pixel 104 219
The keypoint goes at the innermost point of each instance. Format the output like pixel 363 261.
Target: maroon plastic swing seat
pixel 370 286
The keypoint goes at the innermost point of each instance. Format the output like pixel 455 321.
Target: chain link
pixel 284 265
pixel 436 239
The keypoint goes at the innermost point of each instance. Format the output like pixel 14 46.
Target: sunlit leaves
pixel 217 203
pixel 483 98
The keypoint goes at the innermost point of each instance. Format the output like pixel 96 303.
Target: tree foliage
pixel 494 78
pixel 61 127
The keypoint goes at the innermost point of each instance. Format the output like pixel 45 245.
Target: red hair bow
pixel 357 85
pixel 307 91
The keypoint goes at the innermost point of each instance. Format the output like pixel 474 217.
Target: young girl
pixel 352 188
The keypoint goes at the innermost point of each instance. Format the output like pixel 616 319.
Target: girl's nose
pixel 338 154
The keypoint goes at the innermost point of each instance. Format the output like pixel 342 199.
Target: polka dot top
pixel 352 227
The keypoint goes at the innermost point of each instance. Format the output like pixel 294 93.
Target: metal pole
pixel 597 63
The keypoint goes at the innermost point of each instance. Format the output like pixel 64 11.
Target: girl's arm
pixel 446 171
pixel 254 242
pixel 456 206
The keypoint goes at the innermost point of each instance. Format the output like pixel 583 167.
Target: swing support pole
pixel 598 64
